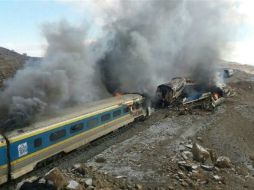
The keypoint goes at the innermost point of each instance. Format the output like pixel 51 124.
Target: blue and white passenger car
pixel 65 132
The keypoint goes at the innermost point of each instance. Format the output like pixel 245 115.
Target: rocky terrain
pixel 172 150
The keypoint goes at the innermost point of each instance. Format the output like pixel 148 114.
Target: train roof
pixel 176 83
pixel 73 112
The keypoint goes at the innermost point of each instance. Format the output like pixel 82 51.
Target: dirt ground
pixel 159 154
pixel 150 159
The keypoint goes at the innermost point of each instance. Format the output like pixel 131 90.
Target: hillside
pixel 10 62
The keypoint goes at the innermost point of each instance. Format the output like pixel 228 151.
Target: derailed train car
pixel 180 91
pixel 22 150
pixel 169 92
pixel 208 97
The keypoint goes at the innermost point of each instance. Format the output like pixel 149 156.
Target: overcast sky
pixel 22 20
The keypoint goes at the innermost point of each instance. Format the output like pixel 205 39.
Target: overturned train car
pixel 186 92
pixel 169 92
pixel 207 97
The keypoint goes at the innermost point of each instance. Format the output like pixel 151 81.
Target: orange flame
pixel 118 94
pixel 216 96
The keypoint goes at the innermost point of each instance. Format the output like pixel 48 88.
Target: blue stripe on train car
pixel 26 146
pixel 3 155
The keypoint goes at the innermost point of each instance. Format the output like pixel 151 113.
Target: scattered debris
pixel 184 184
pixel 193 171
pixel 223 162
pixel 189 146
pixel 27 181
pixel 228 73
pixel 120 176
pixel 42 181
pixel 213 155
pixel 57 178
pixel 199 153
pixel 187 154
pixel 139 186
pixel 185 165
pixel 36 186
pixel 207 167
pixel 89 181
pixel 73 185
pixel 100 160
pixel 35 183
pixel 199 139
pixel 217 101
pixel 79 168
pixel 217 178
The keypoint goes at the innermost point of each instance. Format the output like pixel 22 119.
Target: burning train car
pixel 181 91
pixel 169 92
pixel 208 97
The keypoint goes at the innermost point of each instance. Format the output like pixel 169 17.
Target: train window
pixel 105 117
pixel 37 142
pixel 57 135
pixel 126 110
pixel 116 113
pixel 76 128
pixel 92 123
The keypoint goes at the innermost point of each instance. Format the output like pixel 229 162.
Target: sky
pixel 22 20
pixel 243 45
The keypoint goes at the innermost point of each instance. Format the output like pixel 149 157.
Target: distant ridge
pixel 10 62
pixel 238 66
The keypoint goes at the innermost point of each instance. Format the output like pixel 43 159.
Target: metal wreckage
pixel 185 93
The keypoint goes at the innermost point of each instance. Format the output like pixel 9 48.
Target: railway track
pixel 81 154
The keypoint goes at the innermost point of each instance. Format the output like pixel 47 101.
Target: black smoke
pixel 143 44
pixel 153 41
pixel 65 77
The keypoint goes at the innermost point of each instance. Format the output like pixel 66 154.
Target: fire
pixel 216 96
pixel 118 94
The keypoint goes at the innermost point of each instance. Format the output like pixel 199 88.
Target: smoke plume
pixel 64 77
pixel 142 44
pixel 153 41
